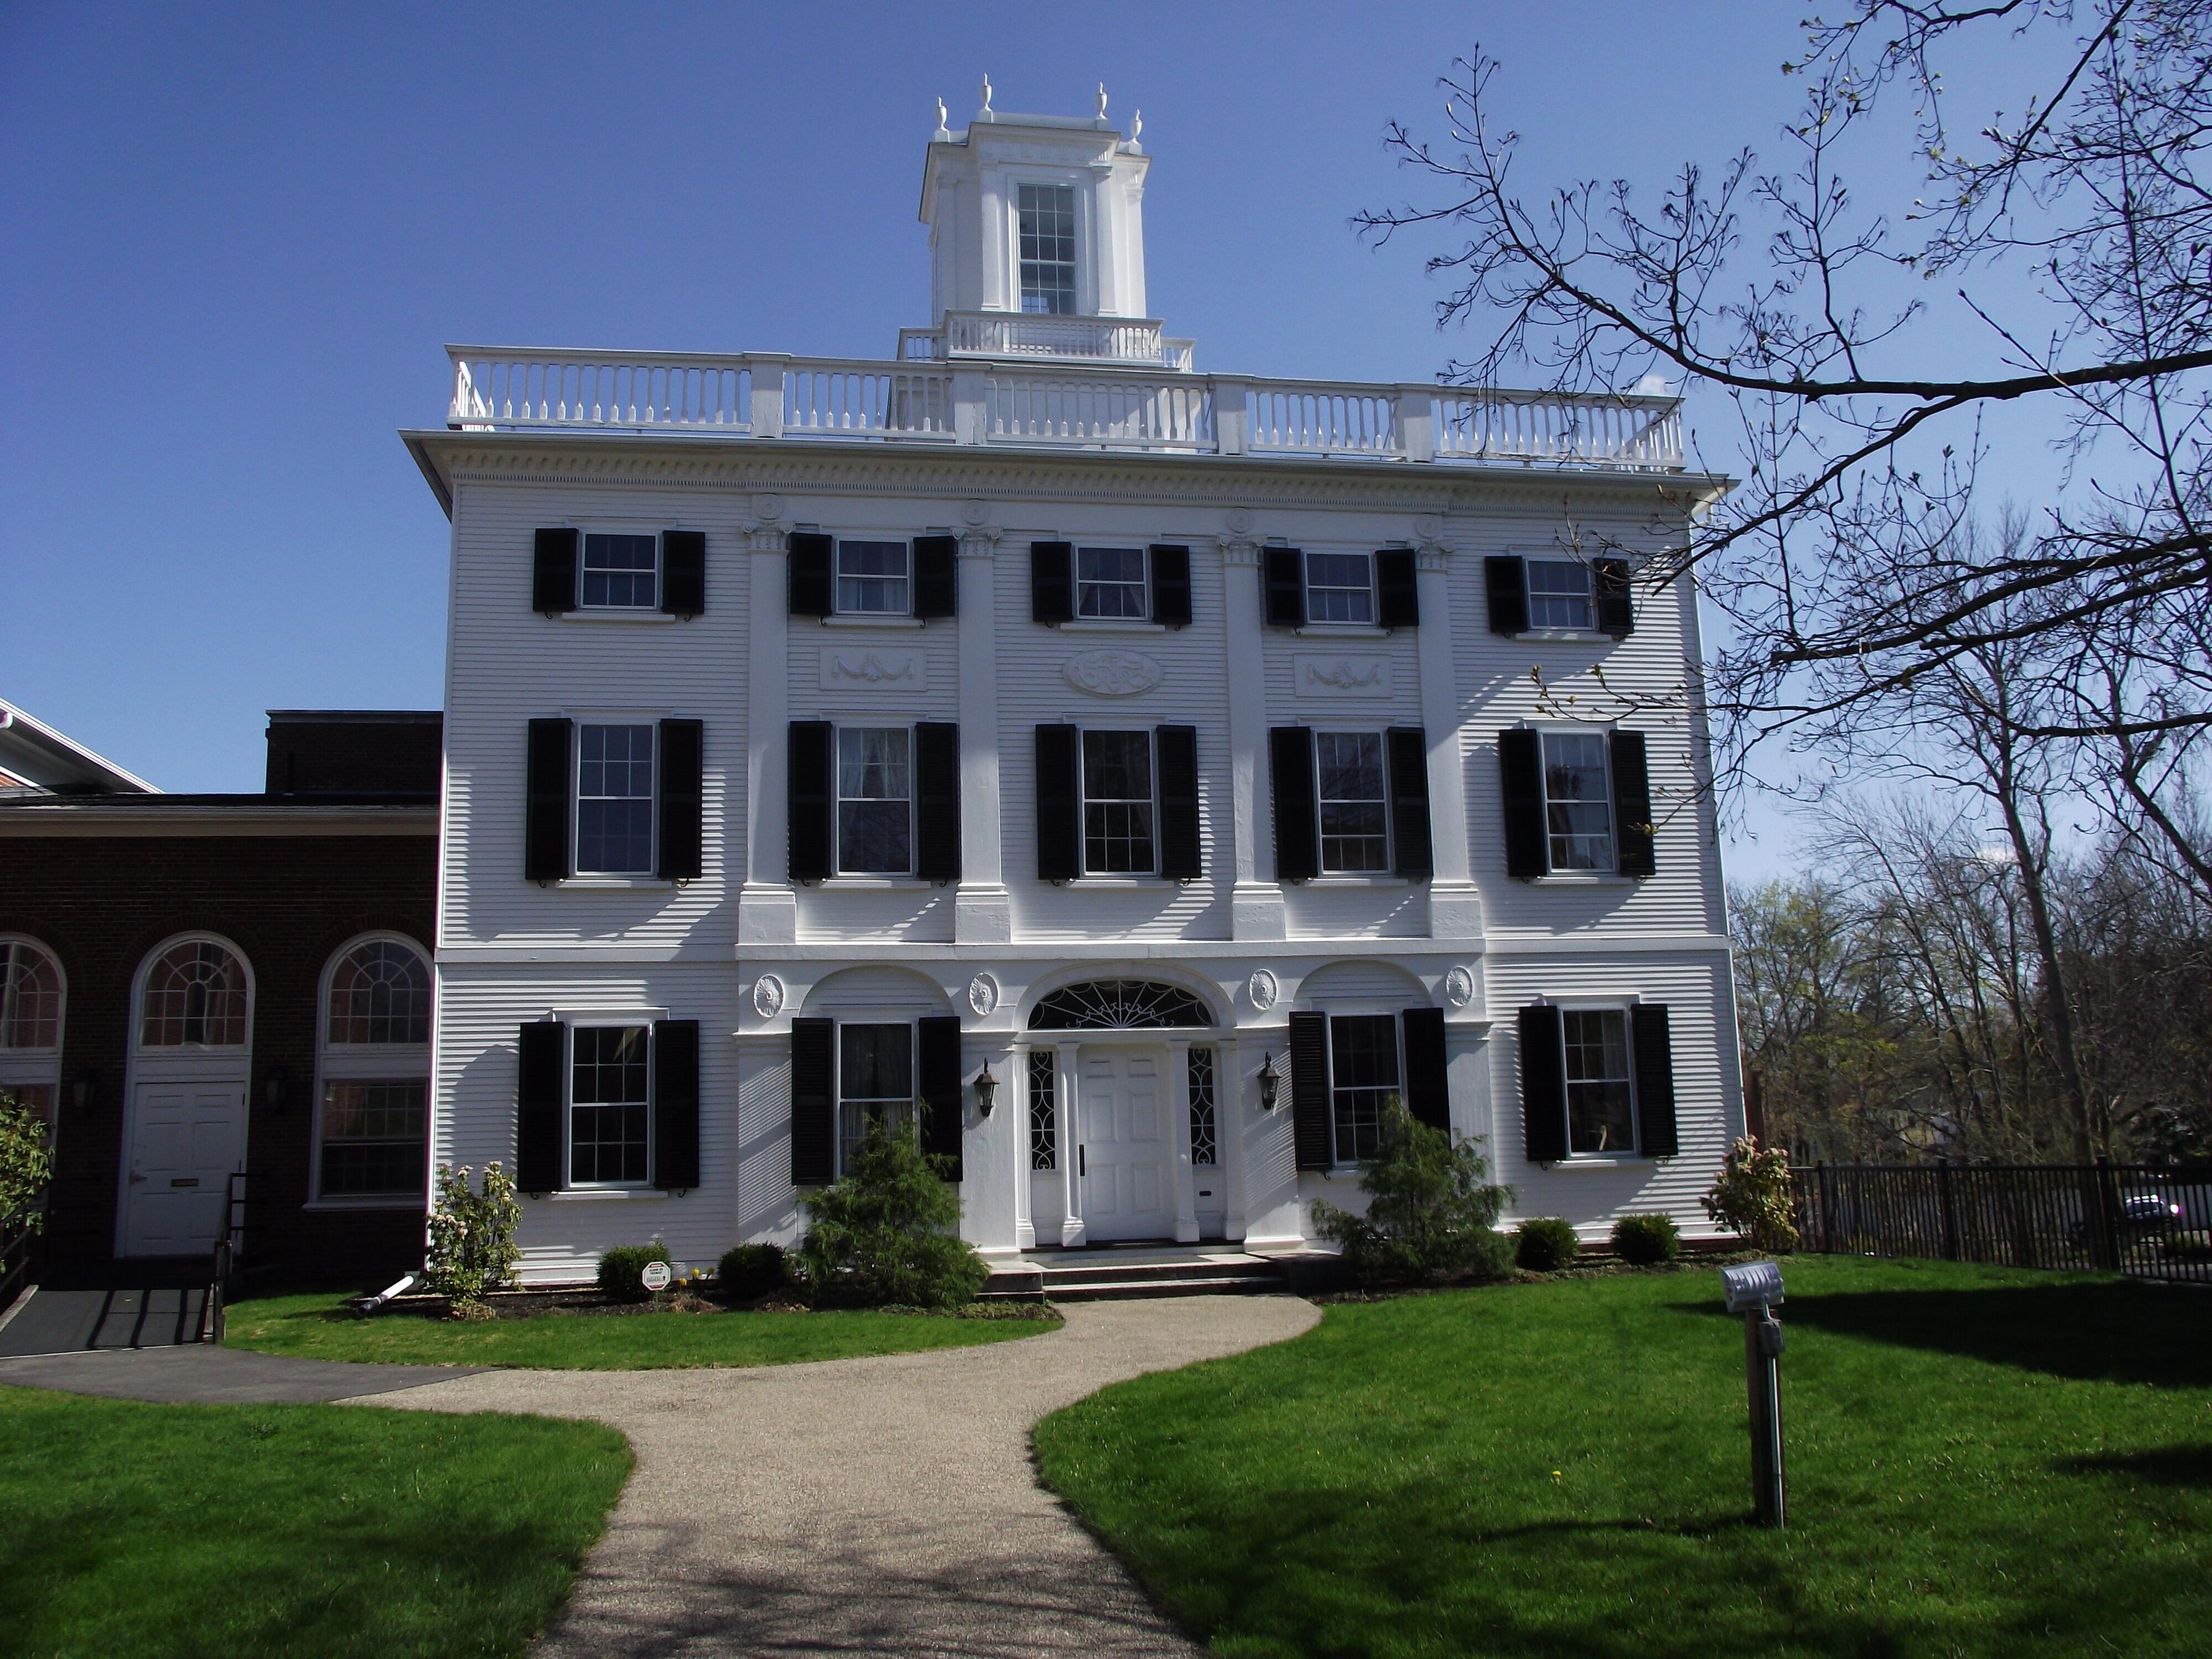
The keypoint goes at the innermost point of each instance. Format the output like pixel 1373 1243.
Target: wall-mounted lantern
pixel 273 1082
pixel 1270 1081
pixel 84 1090
pixel 987 1090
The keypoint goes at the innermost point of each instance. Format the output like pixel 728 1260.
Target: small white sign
pixel 656 1275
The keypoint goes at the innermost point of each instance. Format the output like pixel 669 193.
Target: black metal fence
pixel 2153 1221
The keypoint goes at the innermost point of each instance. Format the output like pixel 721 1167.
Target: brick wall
pixel 354 753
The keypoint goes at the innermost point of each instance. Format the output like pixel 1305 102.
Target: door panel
pixel 1126 1191
pixel 186 1141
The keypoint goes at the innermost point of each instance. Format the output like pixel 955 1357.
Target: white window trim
pixel 1118 878
pixel 1357 1008
pixel 348 1061
pixel 652 527
pixel 1626 1007
pixel 1112 625
pixel 624 1021
pixel 42 1067
pixel 1558 555
pixel 868 619
pixel 1011 182
pixel 1388 873
pixel 910 1015
pixel 1578 878
pixel 1144 553
pixel 141 1050
pixel 1372 628
pixel 872 618
pixel 858 879
pixel 589 878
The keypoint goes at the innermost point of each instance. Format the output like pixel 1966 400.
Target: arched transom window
pixel 1118 1005
pixel 195 999
pixel 380 993
pixel 372 1138
pixel 30 1025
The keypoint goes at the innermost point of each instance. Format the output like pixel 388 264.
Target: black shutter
pixel 936 801
pixel 936 576
pixel 553 571
pixel 1181 858
pixel 1298 833
pixel 1310 1089
pixel 682 781
pixel 1654 1079
pixel 545 830
pixel 1507 583
pixel 540 1057
pixel 808 582
pixel 1059 804
pixel 1285 576
pixel 1428 1091
pixel 1408 748
pixel 684 572
pixel 1543 1085
pixel 1616 614
pixel 813 1103
pixel 1397 593
pixel 1052 581
pixel 1521 761
pixel 676 1102
pixel 938 1073
pixel 1631 805
pixel 807 776
pixel 1171 585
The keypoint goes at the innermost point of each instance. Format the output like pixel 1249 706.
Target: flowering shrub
pixel 472 1248
pixel 26 1161
pixel 1751 1197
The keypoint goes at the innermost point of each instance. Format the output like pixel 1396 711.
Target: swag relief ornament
pixel 864 668
pixel 1112 673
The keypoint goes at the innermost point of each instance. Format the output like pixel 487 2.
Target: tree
pixel 1431 1208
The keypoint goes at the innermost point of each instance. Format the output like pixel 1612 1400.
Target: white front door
pixel 187 1139
pixel 1124 1156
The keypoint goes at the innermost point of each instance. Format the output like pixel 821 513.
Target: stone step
pixel 1084 1275
pixel 1129 1290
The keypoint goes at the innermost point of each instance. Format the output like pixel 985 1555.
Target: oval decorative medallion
pixel 982 995
pixel 768 996
pixel 1112 673
pixel 1263 989
pixel 1459 987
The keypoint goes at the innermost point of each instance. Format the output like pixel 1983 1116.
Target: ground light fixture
pixel 1751 1291
pixel 1270 1081
pixel 987 1090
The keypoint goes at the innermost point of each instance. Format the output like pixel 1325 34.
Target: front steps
pixel 1109 1273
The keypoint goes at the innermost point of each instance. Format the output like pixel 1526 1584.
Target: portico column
pixel 1455 903
pixel 1178 1098
pixel 1018 1092
pixel 981 910
pixel 1071 1226
pixel 768 909
pixel 1255 904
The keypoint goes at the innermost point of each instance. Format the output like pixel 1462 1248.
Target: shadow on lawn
pixel 2161 1465
pixel 2096 1332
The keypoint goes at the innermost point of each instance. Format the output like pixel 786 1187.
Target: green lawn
pixel 323 1327
pixel 1982 1461
pixel 130 1530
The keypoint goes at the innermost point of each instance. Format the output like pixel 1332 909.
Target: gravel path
pixel 882 1506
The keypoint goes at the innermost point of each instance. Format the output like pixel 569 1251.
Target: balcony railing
pixel 1017 334
pixel 1057 405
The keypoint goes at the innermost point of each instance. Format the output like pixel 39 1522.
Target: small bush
pixel 749 1272
pixel 472 1249
pixel 1645 1241
pixel 621 1270
pixel 1431 1209
pixel 27 1163
pixel 886 1233
pixel 1751 1197
pixel 1545 1245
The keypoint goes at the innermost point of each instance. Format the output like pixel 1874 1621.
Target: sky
pixel 239 237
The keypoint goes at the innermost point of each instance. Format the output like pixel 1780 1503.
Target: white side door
pixel 187 1139
pixel 1124 1156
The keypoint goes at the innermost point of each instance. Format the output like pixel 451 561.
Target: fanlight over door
pixel 1119 1005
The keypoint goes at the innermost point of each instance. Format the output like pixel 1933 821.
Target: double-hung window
pixel 610 1105
pixel 875 1083
pixel 1117 803
pixel 874 579
pixel 1362 1055
pixel 375 1073
pixel 1601 1104
pixel 30 1026
pixel 1110 582
pixel 875 801
pixel 1559 594
pixel 614 799
pixel 621 572
pixel 1353 796
pixel 1047 214
pixel 1340 587
pixel 1577 801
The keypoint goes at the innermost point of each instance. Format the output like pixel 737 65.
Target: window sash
pixel 621 572
pixel 1046 217
pixel 380 997
pixel 614 800
pixel 195 999
pixel 30 1000
pixel 1117 803
pixel 1110 583
pixel 1340 587
pixel 1364 1072
pixel 375 1138
pixel 1352 791
pixel 1578 801
pixel 875 801
pixel 874 579
pixel 875 1082
pixel 1044 1105
pixel 610 1105
pixel 1559 593
pixel 1601 1085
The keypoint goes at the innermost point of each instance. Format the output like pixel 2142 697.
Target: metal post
pixel 1762 1352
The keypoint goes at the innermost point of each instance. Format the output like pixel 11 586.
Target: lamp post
pixel 1751 1291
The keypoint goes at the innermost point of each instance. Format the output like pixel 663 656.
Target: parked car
pixel 2140 1213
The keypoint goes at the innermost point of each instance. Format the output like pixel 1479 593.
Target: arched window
pixel 30 1025
pixel 1118 1005
pixel 372 1127
pixel 195 999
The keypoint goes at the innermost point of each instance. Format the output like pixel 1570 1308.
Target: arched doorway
pixel 191 1043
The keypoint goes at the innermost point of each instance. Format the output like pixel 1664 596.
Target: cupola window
pixel 1047 237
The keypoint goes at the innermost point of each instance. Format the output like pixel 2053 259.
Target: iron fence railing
pixel 2153 1221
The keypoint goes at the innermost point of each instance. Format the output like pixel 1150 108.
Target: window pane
pixel 871 579
pixel 30 999
pixel 1110 581
pixel 1354 824
pixel 380 993
pixel 1577 801
pixel 875 1083
pixel 1044 1096
pixel 1339 588
pixel 373 1138
pixel 1205 1143
pixel 874 810
pixel 1117 802
pixel 609 1095
pixel 195 998
pixel 1599 1115
pixel 614 800
pixel 1363 1054
pixel 1558 593
pixel 1047 248
pixel 619 570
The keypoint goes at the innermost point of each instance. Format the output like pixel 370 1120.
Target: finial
pixel 1136 128
pixel 943 131
pixel 985 113
pixel 1102 100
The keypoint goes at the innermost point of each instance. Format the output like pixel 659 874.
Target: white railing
pixel 980 400
pixel 1018 334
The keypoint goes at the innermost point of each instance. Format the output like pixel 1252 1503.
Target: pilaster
pixel 768 909
pixel 1177 1093
pixel 982 912
pixel 1255 905
pixel 1455 903
pixel 1070 1127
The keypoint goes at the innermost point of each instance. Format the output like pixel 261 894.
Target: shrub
pixel 1431 1209
pixel 886 1233
pixel 1751 1197
pixel 621 1270
pixel 1645 1241
pixel 750 1271
pixel 1545 1244
pixel 27 1163
pixel 472 1249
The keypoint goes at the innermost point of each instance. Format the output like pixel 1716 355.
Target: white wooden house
pixel 1073 751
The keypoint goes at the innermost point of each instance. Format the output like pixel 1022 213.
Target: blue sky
pixel 240 236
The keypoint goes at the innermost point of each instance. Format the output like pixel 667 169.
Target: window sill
pixel 1585 879
pixel 1112 625
pixel 872 622
pixel 1123 881
pixel 1343 631
pixel 1346 879
pixel 1595 1161
pixel 605 1194
pixel 873 884
pixel 611 884
pixel 1566 635
pixel 411 1201
pixel 618 614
